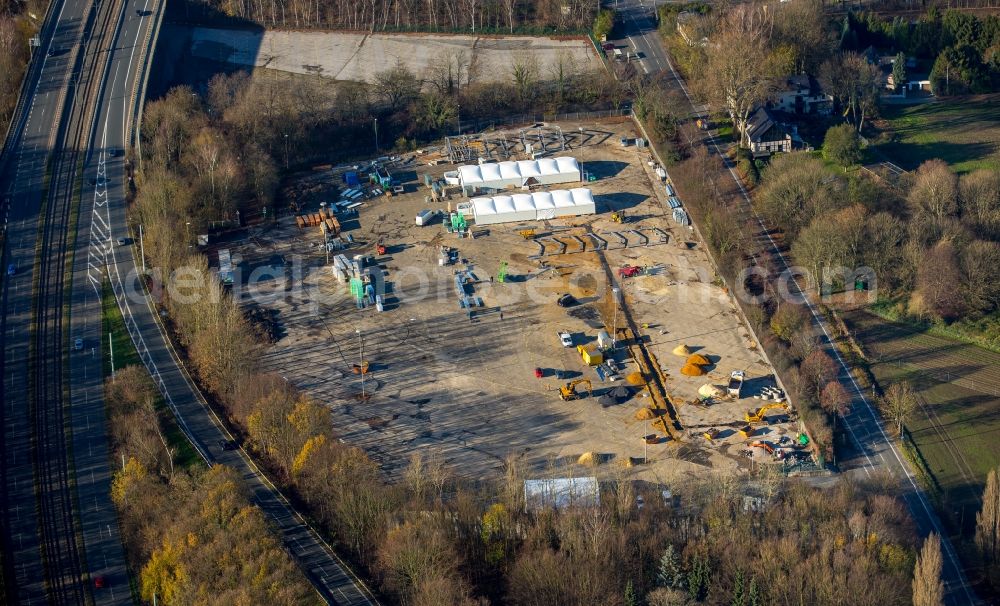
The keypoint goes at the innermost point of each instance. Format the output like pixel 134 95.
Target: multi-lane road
pixel 67 154
pixel 872 450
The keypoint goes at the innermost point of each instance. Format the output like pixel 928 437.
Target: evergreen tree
pixel 739 590
pixel 630 597
pixel 899 72
pixel 669 574
pixel 753 593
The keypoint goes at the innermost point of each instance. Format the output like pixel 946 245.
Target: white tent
pixel 537 206
pixel 546 171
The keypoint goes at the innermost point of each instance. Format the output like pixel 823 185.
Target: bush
pixel 604 23
pixel 842 145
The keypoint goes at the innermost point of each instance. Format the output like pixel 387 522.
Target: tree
pixel 842 145
pixel 898 403
pixel 818 368
pixel 980 259
pixel 396 86
pixel 855 83
pixel 604 23
pixel 899 72
pixel 835 400
pixel 804 28
pixel 939 283
pixel 669 572
pixel 794 190
pixel 928 589
pixel 741 67
pixel 630 598
pixel 935 190
pixel 788 320
pixel 979 195
pixel 988 520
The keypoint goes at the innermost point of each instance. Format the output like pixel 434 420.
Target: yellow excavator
pixel 758 416
pixel 527 234
pixel 568 391
pixel 618 216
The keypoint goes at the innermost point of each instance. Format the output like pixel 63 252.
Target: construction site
pixel 570 319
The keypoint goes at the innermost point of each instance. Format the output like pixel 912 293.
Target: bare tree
pixel 898 403
pixel 979 192
pixel 939 283
pixel 741 68
pixel 935 190
pixel 855 83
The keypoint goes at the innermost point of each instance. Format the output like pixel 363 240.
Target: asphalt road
pixel 873 451
pixel 102 222
pixel 44 556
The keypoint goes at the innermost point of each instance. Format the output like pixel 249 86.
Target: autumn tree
pixel 835 400
pixel 928 589
pixel 898 403
pixel 788 320
pixel 803 28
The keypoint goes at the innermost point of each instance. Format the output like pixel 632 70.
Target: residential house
pixel 764 135
pixel 802 95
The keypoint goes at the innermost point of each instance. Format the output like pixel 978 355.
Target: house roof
pixel 762 126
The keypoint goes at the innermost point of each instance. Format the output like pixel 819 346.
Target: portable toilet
pixel 351 179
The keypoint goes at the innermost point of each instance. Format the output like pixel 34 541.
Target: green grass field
pixel 185 455
pixel 964 132
pixel 957 428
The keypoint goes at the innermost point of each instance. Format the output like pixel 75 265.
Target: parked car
pixel 566 339
pixel 78 344
pixel 11 270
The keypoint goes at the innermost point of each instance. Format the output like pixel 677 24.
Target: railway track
pixel 59 529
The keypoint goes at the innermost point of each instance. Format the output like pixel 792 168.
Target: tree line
pixel 191 533
pixel 454 16
pixel 17 26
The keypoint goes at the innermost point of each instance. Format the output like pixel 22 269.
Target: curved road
pixel 872 449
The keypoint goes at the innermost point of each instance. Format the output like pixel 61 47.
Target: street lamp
pixel 361 350
pixel 614 328
pixel 187 229
pixel 286 151
pixel 376 136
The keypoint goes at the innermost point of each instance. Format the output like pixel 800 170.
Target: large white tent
pixel 537 206
pixel 501 175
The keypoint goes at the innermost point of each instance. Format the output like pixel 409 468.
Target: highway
pixel 60 532
pixel 873 451
pixel 102 222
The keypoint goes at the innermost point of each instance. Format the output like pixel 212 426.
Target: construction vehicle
pixel 758 416
pixel 568 391
pixel 380 247
pixel 736 382
pixel 360 369
pixel 711 434
pixel 629 271
pixel 618 216
pixel 765 445
pixel 527 234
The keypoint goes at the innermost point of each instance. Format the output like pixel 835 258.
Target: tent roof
pixel 474 174
pixel 543 200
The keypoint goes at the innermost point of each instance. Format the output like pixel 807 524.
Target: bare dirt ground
pixel 358 56
pixel 442 382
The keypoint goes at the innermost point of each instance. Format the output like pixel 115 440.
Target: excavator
pixel 568 391
pixel 618 216
pixel 758 416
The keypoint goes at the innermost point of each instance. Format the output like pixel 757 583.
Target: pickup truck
pixel 736 383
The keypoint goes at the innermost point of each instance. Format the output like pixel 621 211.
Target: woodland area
pixel 16 27
pixel 453 16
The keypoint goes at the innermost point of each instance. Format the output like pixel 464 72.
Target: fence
pixel 476 126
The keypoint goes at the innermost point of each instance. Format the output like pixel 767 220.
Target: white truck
pixel 736 383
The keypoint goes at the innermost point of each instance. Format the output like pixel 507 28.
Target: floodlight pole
pixel 614 328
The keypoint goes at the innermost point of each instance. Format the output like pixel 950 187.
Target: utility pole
pixel 614 329
pixel 376 136
pixel 111 350
pixel 142 249
pixel 361 350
